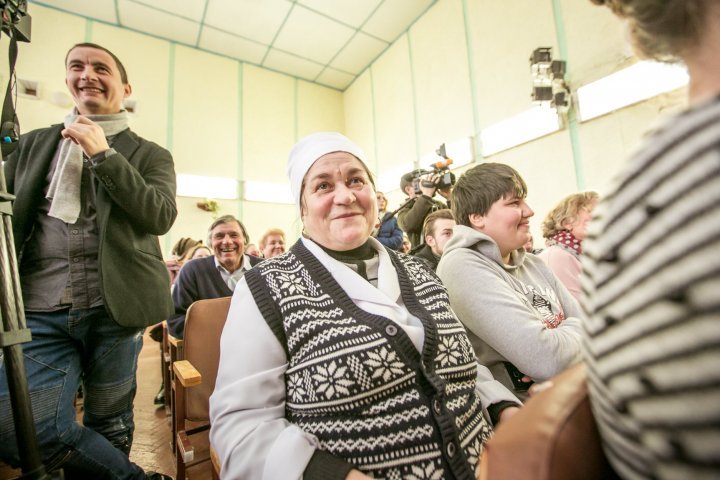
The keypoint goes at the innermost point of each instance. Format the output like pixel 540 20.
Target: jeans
pixel 67 347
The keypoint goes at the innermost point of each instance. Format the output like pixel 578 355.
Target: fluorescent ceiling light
pixel 461 151
pixel 521 128
pixel 206 187
pixel 268 192
pixel 638 82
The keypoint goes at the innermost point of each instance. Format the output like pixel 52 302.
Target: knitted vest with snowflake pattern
pixel 356 381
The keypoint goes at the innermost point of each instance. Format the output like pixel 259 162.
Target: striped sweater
pixel 356 381
pixel 652 292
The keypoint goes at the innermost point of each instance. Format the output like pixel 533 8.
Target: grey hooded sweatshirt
pixel 519 313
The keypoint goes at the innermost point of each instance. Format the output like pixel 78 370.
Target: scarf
pixel 566 240
pixel 64 190
pixel 360 258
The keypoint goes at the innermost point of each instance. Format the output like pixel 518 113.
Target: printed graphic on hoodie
pixel 539 301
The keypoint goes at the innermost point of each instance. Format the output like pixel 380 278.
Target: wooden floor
pixel 151 446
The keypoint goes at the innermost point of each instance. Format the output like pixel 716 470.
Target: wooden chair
pixel 172 351
pixel 553 437
pixel 195 379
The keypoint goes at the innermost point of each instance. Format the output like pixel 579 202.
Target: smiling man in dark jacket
pixel 92 197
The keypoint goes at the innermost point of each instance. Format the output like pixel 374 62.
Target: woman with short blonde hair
pixel 564 229
pixel 272 243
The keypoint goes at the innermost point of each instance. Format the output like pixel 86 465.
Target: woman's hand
pixel 356 475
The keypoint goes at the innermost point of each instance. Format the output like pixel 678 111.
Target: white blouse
pixel 247 409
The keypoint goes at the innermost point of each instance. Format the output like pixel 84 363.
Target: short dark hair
pixel 227 219
pixel 121 67
pixel 406 180
pixel 478 188
pixel 429 223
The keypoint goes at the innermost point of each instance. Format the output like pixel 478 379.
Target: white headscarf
pixel 309 149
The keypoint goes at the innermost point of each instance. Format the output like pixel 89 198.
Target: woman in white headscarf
pixel 341 359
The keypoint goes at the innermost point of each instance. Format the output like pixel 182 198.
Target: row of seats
pixel 189 372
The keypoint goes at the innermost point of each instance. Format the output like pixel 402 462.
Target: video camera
pixel 441 167
pixel 15 23
pixel 15 19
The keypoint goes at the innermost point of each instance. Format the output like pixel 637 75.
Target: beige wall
pixel 459 68
pixel 469 69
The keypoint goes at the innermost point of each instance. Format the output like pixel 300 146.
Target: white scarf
pixel 64 190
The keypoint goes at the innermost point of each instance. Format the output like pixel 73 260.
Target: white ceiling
pixel 329 42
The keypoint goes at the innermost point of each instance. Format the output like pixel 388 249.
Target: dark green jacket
pixel 135 203
pixel 412 216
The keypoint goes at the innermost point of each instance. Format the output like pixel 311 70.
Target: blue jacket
pixel 390 234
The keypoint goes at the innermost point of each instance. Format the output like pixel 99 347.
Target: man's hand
pixel 172 265
pixel 445 192
pixel 429 191
pixel 88 134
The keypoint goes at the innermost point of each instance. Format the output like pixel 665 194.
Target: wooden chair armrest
pixel 175 342
pixel 215 461
pixel 186 373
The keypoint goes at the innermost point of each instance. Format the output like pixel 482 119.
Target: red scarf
pixel 567 240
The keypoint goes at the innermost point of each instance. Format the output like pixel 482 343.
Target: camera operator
pixel 421 202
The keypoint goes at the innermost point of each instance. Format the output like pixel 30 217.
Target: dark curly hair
pixel 661 29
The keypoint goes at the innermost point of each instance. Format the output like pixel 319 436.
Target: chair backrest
pixel 204 324
pixel 554 436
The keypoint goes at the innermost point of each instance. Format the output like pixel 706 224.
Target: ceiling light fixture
pixel 548 80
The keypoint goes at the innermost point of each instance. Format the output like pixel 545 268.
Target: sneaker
pixel 156 332
pixel 160 397
pixel 157 476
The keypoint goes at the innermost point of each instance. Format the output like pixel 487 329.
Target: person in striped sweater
pixel 652 268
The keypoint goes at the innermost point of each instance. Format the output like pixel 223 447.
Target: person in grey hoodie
pixel 523 323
